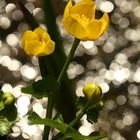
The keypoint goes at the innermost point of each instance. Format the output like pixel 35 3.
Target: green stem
pixel 68 60
pixel 48 115
pixel 41 66
pixel 75 121
pixel 59 80
pixel 79 116
pixel 50 99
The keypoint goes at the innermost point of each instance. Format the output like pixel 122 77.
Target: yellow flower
pixel 37 42
pixel 92 92
pixel 79 20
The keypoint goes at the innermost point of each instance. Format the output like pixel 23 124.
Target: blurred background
pixel 113 61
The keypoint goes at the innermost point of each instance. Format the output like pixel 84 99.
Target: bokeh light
pixel 112 61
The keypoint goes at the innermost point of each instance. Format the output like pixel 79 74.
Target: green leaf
pixel 81 103
pixel 59 118
pixel 10 113
pixel 5 126
pixel 8 116
pixel 1 105
pixel 30 90
pixel 48 84
pixel 69 132
pixel 92 116
pixel 93 111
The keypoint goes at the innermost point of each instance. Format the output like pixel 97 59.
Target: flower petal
pixel 37 48
pixel 74 28
pixel 97 27
pixel 45 37
pixel 67 9
pixel 33 48
pixel 40 32
pixel 28 35
pixel 48 48
pixel 86 8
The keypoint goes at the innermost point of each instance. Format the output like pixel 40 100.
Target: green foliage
pixel 30 90
pixel 59 118
pixel 92 116
pixel 1 103
pixel 5 126
pixel 41 88
pixel 68 131
pixel 90 109
pixel 48 84
pixel 81 103
pixel 8 113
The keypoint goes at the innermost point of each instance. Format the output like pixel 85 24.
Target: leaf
pixel 1 105
pixel 8 116
pixel 92 116
pixel 10 113
pixel 59 118
pixel 5 126
pixel 62 127
pixel 30 90
pixel 48 84
pixel 81 103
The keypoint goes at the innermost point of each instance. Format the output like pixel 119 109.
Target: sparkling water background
pixel 113 62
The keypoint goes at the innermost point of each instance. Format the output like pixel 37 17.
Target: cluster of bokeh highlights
pixel 112 61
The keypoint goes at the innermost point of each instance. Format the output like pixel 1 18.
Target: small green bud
pixel 8 99
pixel 92 92
pixel 100 105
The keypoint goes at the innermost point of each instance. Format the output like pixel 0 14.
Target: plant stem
pixel 48 115
pixel 50 99
pixel 79 116
pixel 41 66
pixel 76 120
pixel 68 60
pixel 59 80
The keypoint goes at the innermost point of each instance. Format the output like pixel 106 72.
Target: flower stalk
pixel 68 60
pixel 59 80
pixel 79 116
pixel 48 115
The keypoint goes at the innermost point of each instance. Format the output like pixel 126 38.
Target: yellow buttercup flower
pixel 79 20
pixel 37 42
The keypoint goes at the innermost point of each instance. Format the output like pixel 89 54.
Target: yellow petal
pixel 67 9
pixel 40 32
pixel 86 8
pixel 37 48
pixel 97 27
pixel 48 48
pixel 106 21
pixel 28 35
pixel 74 28
pixel 45 37
pixel 33 48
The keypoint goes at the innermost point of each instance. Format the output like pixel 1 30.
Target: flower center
pixel 81 18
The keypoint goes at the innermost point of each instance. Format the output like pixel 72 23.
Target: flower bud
pixel 8 99
pixel 92 92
